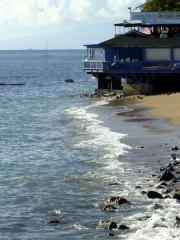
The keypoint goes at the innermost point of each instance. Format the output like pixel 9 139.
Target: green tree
pixel 161 5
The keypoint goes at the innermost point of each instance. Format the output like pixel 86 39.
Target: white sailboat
pixel 46 50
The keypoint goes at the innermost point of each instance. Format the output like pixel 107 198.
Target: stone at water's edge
pixel 175 148
pixel 177 223
pixel 123 227
pixel 167 176
pixel 109 207
pixel 177 196
pixel 109 225
pixel 153 195
pixel 118 200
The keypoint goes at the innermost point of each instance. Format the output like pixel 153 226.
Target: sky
pixel 65 24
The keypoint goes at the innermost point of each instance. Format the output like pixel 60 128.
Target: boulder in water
pixel 109 225
pixel 109 207
pixel 177 223
pixel 54 221
pixel 154 194
pixel 157 206
pixel 118 200
pixel 144 218
pixel 123 227
pixel 173 156
pixel 69 80
pixel 111 235
pixel 167 176
pixel 175 148
pixel 177 196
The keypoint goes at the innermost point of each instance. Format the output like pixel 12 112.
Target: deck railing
pixel 93 65
pixel 121 67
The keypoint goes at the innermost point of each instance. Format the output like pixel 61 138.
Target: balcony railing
pixel 93 65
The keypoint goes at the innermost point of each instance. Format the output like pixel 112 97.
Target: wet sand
pixel 167 107
pixel 163 106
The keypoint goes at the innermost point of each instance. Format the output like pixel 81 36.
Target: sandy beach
pixel 163 106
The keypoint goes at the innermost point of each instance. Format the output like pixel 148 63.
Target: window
pixel 158 54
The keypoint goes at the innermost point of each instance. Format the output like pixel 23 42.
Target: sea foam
pixel 98 137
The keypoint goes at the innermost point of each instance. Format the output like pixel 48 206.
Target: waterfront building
pixel 145 51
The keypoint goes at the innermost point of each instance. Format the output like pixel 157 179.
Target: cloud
pixel 43 12
pixel 31 12
pixel 117 9
pixel 78 9
pixel 54 12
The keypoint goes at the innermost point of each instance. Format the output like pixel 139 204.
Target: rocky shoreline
pixel 168 186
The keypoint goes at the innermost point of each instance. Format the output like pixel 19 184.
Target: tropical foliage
pixel 161 5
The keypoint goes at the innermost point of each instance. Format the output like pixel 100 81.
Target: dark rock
pixel 109 225
pixel 154 194
pixel 112 225
pixel 177 223
pixel 118 200
pixel 137 187
pixel 176 163
pixel 157 206
pixel 176 196
pixel 119 96
pixel 167 176
pixel 168 190
pixel 123 227
pixel 173 156
pixel 109 207
pixel 143 192
pixel 144 218
pixel 141 147
pixel 159 186
pixel 113 184
pixel 54 221
pixel 169 167
pixel 175 148
pixel 163 184
pixel 69 80
pixel 167 196
pixel 111 235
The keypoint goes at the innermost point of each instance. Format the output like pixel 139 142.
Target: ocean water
pixel 62 156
